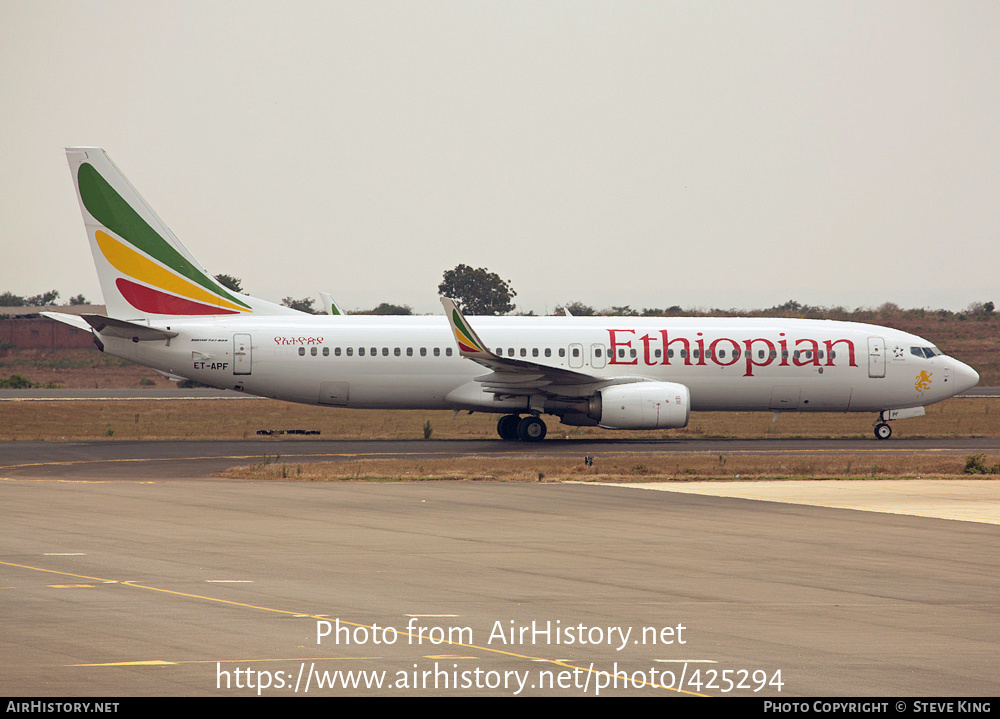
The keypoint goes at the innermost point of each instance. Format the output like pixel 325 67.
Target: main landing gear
pixel 526 429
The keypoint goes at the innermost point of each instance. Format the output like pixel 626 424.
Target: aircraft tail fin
pixel 144 270
pixel 330 305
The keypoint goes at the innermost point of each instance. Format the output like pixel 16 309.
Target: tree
pixel 478 292
pixel 620 311
pixel 9 299
pixel 303 305
pixel 46 298
pixel 387 308
pixel 229 282
pixel 78 300
pixel 578 309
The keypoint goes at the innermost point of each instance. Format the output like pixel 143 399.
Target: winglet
pixel 469 344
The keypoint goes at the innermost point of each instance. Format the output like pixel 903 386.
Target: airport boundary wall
pixel 42 333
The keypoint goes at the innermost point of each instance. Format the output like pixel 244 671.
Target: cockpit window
pixel 925 352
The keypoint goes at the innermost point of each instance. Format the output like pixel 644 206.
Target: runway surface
pixel 127 570
pixel 199 458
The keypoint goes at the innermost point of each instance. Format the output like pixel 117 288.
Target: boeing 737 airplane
pixel 165 311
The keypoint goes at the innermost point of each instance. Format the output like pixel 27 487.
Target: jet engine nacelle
pixel 644 405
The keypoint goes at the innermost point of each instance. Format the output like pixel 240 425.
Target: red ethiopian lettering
pixel 615 344
pixel 715 356
pixel 685 352
pixel 830 344
pixel 769 355
pixel 813 356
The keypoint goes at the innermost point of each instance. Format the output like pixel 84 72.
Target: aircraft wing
pixel 515 376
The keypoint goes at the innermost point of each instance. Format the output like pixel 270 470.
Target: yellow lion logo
pixel 923 380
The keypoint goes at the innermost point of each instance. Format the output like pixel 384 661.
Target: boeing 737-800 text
pixel 166 312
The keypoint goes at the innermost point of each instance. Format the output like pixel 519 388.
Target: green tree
pixel 478 292
pixel 620 311
pixel 46 298
pixel 578 309
pixel 387 308
pixel 229 282
pixel 78 300
pixel 303 305
pixel 9 299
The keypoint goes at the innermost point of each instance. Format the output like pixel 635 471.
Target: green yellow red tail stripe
pixel 469 344
pixel 160 279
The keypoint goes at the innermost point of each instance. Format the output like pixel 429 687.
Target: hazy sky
pixel 702 154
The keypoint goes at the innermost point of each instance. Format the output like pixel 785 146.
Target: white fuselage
pixel 413 363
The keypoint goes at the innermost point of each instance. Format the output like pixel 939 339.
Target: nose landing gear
pixel 882 430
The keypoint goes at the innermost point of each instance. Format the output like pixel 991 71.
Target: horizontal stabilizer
pixel 110 327
pixel 71 320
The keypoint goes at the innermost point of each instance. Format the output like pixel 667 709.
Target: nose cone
pixel 965 377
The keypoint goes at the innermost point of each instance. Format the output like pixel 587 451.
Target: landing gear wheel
pixel 507 426
pixel 883 431
pixel 531 429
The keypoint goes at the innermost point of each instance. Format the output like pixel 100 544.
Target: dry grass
pixel 617 467
pixel 240 419
pixel 78 369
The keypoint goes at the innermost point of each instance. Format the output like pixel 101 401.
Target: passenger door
pixel 876 357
